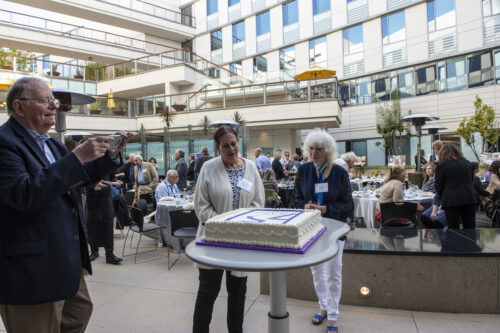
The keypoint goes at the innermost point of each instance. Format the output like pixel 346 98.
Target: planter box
pixel 79 77
pixel 8 67
pixel 119 112
pixel 95 111
pixel 55 73
pixel 179 107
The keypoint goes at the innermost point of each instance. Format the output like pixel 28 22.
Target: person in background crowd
pixel 153 161
pixel 145 178
pixel 225 183
pixel 392 191
pixel 201 160
pixel 269 181
pixel 277 166
pixel 100 214
pixel 350 159
pixel 261 161
pixel 334 201
pixel 422 158
pixel 454 184
pixel 434 216
pixel 295 166
pixel 487 175
pixel 268 155
pixel 494 178
pixel 287 162
pixel 429 177
pixel 190 172
pixel 128 170
pixel 282 161
pixel 181 167
pixel 436 147
pixel 43 245
pixel 168 187
pixel 483 196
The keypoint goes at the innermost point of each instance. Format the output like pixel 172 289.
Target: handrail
pixel 71 32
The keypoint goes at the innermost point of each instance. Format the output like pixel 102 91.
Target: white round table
pixel 324 248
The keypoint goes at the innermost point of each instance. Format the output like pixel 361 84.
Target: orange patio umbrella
pixel 6 83
pixel 315 72
pixel 111 101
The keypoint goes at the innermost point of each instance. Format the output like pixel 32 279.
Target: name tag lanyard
pixel 320 197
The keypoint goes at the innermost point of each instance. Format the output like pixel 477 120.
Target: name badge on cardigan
pixel 245 184
pixel 320 187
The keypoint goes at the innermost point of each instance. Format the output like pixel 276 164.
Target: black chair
pixel 183 226
pixel 129 197
pixel 495 197
pixel 140 223
pixel 398 214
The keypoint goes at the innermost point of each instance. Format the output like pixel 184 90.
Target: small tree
pixel 482 122
pixel 389 125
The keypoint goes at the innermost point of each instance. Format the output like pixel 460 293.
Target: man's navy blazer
pixel 43 244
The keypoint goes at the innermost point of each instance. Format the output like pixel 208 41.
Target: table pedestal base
pixel 278 321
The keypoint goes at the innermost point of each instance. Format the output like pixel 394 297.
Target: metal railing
pixel 154 10
pixel 78 32
pixel 253 95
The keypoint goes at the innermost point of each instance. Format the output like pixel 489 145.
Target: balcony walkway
pixel 136 15
pixel 41 35
pixel 164 302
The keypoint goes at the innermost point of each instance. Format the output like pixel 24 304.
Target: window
pixel 317 51
pixel 426 79
pixel 216 40
pixel 235 67
pixel 491 7
pixel 214 72
pixel 440 14
pixel 455 74
pixel 263 23
pixel 360 91
pixel 232 2
pixel 287 63
pixel 260 64
pixel 320 6
pixel 290 13
pixel 238 32
pixel 406 83
pixel 212 7
pixel 353 39
pixel 393 28
pixel 481 69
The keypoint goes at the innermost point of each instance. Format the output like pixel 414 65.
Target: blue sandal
pixel 319 319
pixel 330 329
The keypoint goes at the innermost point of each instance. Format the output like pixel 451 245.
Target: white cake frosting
pixel 281 228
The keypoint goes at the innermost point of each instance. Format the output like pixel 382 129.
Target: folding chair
pixel 183 226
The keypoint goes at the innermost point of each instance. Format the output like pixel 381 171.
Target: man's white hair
pixel 171 173
pixel 139 157
pixel 322 139
pixel 350 157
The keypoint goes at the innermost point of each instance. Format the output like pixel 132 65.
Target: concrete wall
pixel 419 283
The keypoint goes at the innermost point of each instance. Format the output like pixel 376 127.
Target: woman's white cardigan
pixel 214 195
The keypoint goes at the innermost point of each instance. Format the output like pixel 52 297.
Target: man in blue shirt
pixel 261 160
pixel 169 186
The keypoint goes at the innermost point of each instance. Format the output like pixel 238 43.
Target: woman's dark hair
pixel 449 151
pixel 474 166
pixel 153 159
pixel 424 168
pixel 495 167
pixel 223 130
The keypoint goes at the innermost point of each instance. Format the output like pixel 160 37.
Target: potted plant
pixel 6 60
pixel 121 108
pixel 94 108
pixel 78 75
pixel 179 107
pixel 54 70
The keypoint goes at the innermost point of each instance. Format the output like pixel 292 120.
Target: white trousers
pixel 327 279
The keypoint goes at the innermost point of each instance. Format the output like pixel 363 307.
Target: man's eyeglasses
pixel 44 101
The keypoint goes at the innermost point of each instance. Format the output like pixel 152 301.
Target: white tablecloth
pixel 365 207
pixel 163 209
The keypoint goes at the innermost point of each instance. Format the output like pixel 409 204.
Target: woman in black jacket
pixel 454 184
pixel 277 166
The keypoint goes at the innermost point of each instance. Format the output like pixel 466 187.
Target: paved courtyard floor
pixel 148 298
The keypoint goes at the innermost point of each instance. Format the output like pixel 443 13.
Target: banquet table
pixel 163 209
pixel 365 204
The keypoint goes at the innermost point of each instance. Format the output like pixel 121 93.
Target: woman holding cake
pixel 225 183
pixel 325 186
